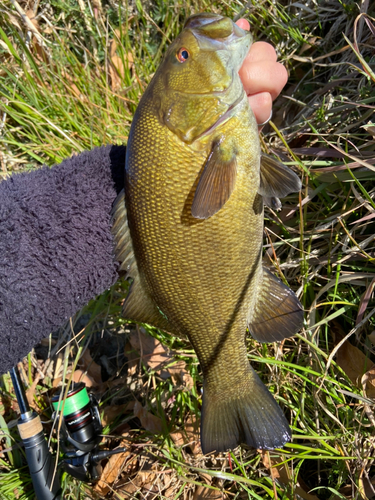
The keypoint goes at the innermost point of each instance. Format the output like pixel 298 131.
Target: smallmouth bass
pixel 189 228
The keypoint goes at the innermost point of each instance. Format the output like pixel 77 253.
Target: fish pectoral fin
pixel 246 414
pixel 276 181
pixel 138 305
pixel 277 314
pixel 216 183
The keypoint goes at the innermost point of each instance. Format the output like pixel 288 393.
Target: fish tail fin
pixel 247 414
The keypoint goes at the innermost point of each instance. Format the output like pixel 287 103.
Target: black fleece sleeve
pixel 56 247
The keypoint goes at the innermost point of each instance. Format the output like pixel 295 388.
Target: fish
pixel 189 228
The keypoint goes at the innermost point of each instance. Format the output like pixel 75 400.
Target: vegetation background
pixel 71 75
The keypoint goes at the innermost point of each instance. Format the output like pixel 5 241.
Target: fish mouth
pixel 216 32
pixel 214 26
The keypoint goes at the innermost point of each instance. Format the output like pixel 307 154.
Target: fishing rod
pixel 77 416
pixel 41 464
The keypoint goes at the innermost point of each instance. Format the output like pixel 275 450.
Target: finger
pixel 263 76
pixel 261 104
pixel 261 51
pixel 242 23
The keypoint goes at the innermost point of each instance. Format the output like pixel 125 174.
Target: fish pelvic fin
pixel 276 181
pixel 139 305
pixel 247 414
pixel 277 313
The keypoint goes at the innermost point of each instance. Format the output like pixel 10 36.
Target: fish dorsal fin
pixel 277 314
pixel 276 181
pixel 216 183
pixel 138 305
pixel 124 253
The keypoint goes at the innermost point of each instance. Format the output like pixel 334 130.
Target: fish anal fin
pixel 216 182
pixel 277 313
pixel 276 179
pixel 247 413
pixel 139 305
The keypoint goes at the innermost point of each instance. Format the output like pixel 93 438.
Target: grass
pixel 70 79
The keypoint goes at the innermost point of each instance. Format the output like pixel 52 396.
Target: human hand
pixel 263 78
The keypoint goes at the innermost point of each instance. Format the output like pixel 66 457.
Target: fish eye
pixel 182 55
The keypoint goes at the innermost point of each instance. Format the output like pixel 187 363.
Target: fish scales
pixel 198 256
pixel 190 258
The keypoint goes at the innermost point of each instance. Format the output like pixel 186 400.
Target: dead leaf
pixel 13 20
pixel 58 365
pixel 152 352
pixel 30 393
pixel 82 376
pixel 71 87
pixel 368 383
pixel 145 477
pixel 189 435
pixel 282 474
pixel 34 21
pixel 56 382
pixel 111 471
pixel 111 412
pixel 142 482
pixel 170 492
pixel 129 489
pixel 122 429
pixel 157 357
pixel 150 488
pixel 133 358
pixel 93 369
pixel 167 481
pixel 36 39
pixel 371 337
pixel 180 375
pixel 347 491
pixel 370 129
pixel 352 360
pixel 204 492
pixel 5 48
pixel 149 421
pixel 118 65
pixel 365 300
pixel 367 486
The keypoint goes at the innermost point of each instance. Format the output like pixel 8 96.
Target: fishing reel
pixel 80 433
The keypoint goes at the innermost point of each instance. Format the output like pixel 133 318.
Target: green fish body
pixel 191 234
